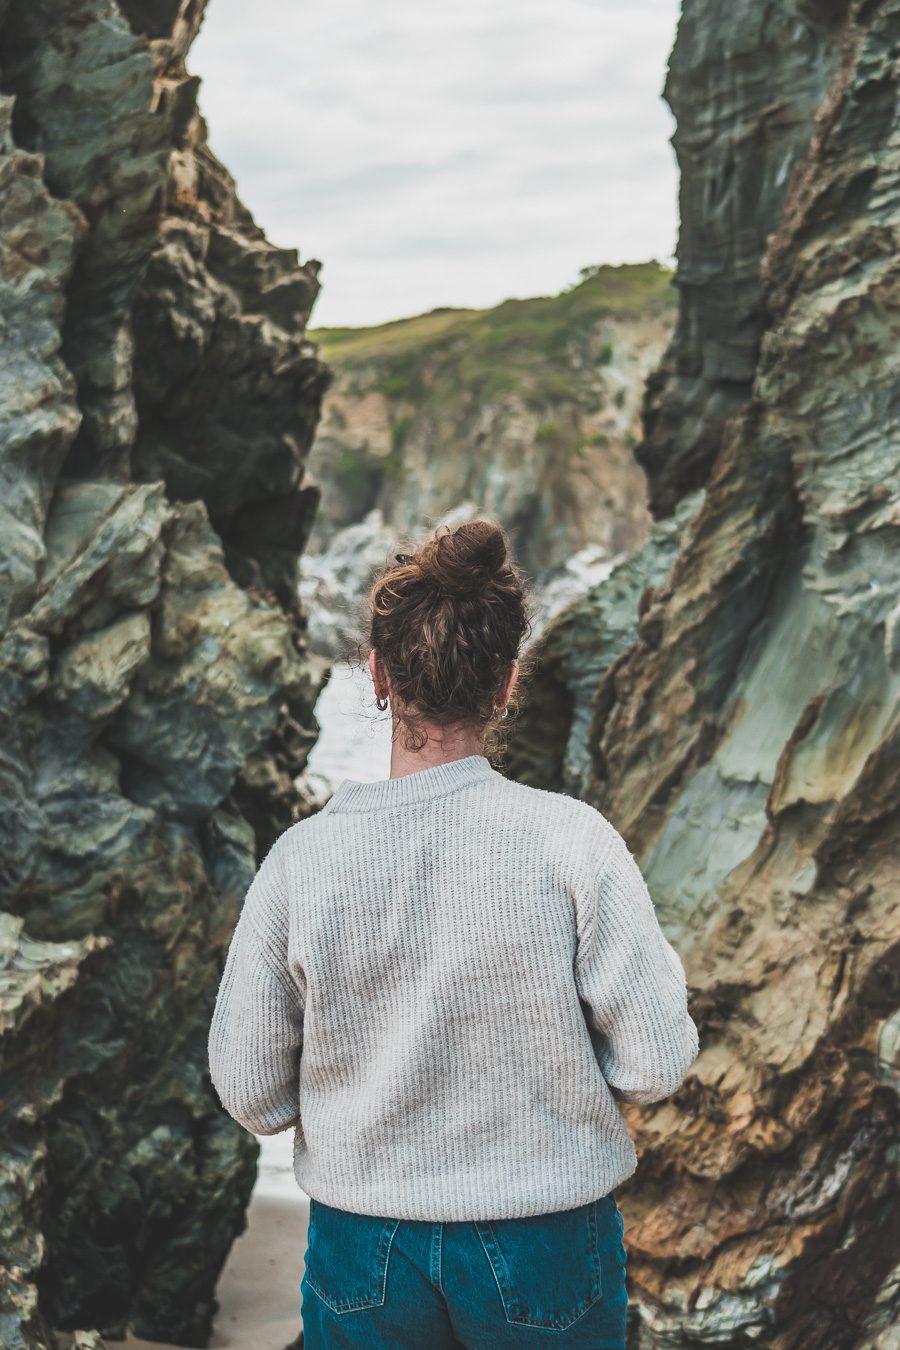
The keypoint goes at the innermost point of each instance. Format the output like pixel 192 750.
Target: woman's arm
pixel 632 983
pixel 256 1033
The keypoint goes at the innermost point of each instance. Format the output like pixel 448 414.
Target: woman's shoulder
pixel 548 799
pixel 563 822
pixel 297 836
pixel 570 821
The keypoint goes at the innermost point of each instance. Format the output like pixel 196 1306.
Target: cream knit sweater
pixel 439 980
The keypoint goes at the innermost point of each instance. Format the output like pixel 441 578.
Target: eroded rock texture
pixel 558 720
pixel 745 83
pixel 747 746
pixel 157 403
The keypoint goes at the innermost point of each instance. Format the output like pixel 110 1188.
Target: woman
pixel 443 981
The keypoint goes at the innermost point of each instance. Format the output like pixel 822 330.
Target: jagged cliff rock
pixel 157 402
pixel 745 82
pixel 567 664
pixel 747 746
pixel 35 983
pixel 530 410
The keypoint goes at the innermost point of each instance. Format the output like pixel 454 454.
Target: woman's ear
pixel 511 682
pixel 380 691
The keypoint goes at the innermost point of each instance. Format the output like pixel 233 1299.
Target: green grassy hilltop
pixel 519 344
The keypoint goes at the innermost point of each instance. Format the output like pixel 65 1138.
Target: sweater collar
pixel 409 788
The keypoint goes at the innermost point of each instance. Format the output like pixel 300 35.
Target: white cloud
pixel 445 154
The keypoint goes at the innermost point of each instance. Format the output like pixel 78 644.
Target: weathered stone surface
pixel 36 984
pixel 37 393
pixel 84 86
pixel 558 719
pixel 747 746
pixel 745 83
pixel 227 307
pixel 157 400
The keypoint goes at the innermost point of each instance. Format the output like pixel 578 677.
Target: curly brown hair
pixel 448 618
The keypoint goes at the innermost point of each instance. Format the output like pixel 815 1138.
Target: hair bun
pixel 461 560
pixel 449 613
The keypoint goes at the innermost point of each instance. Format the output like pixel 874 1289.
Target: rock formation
pixel 745 83
pixel 530 410
pixel 157 403
pixel 567 663
pixel 746 743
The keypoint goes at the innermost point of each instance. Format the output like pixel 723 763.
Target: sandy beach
pixel 259 1291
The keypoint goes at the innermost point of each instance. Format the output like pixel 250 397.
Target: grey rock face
pixel 560 716
pixel 157 402
pixel 748 746
pixel 745 83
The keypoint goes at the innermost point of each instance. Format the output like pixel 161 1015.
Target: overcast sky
pixel 445 154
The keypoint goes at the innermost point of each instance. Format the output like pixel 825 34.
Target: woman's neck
pixel 441 747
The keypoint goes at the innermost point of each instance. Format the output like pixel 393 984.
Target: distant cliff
pixel 530 410
pixel 157 402
pixel 742 729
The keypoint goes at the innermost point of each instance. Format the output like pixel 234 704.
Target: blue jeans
pixel 402 1284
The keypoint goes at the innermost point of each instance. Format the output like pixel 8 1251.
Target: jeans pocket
pixel 546 1266
pixel 347 1257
